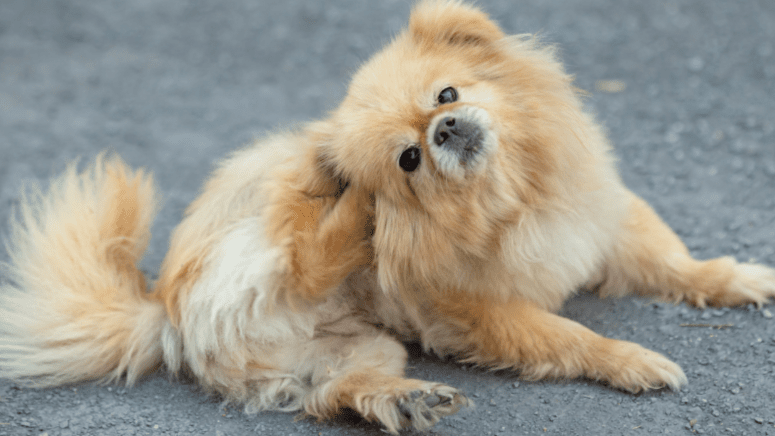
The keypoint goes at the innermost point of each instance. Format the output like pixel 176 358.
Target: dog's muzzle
pixel 459 136
pixel 461 140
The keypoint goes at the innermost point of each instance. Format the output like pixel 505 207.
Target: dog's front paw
pixel 633 368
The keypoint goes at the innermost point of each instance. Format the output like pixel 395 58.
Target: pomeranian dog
pixel 457 196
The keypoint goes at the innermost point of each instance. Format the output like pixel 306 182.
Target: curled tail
pixel 74 306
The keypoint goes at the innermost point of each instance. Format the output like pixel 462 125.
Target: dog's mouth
pixel 460 140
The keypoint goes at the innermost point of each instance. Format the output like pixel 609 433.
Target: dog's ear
pixel 452 22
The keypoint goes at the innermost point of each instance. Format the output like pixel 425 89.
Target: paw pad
pixel 422 409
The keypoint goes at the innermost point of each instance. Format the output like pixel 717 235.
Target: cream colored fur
pixel 309 254
pixel 77 309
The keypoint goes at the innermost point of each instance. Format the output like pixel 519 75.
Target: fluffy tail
pixel 76 308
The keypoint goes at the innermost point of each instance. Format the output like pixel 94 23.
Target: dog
pixel 457 197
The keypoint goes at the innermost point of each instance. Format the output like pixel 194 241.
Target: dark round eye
pixel 410 159
pixel 447 95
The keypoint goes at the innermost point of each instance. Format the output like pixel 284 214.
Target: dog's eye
pixel 410 159
pixel 447 95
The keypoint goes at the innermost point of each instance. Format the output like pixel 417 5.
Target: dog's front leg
pixel 517 334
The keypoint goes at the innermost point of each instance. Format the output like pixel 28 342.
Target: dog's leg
pixel 517 334
pixel 353 367
pixel 329 239
pixel 323 375
pixel 651 260
pixel 366 373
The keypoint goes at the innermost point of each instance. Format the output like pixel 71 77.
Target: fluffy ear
pixel 452 22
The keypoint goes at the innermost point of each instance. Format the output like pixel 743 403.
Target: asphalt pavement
pixel 686 89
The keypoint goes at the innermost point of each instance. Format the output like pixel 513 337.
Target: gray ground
pixel 174 85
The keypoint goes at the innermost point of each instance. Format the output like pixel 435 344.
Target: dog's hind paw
pixel 753 283
pixel 394 402
pixel 422 409
pixel 724 282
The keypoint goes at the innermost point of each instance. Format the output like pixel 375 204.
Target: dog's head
pixel 457 128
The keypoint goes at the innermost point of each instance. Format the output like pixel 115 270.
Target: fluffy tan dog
pixel 457 196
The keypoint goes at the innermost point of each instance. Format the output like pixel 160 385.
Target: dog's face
pixel 454 127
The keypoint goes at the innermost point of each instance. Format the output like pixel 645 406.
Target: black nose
pixel 461 136
pixel 444 130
